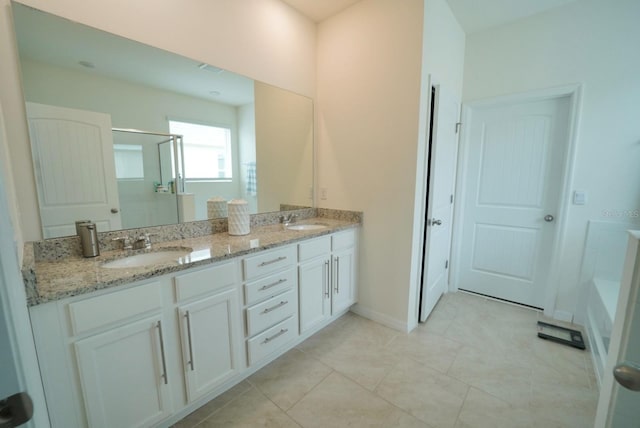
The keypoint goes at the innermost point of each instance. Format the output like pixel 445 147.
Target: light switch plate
pixel 579 197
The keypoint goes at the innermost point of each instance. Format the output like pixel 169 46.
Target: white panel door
pixel 210 340
pixel 123 376
pixel 619 407
pixel 74 167
pixel 343 280
pixel 515 160
pixel 442 171
pixel 314 292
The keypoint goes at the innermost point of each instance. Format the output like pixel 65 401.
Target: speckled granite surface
pixel 55 278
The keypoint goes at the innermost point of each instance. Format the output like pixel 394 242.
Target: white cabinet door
pixel 123 375
pixel 210 332
pixel 314 293
pixel 343 282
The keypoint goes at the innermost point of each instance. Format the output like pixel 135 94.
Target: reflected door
pixel 514 171
pixel 74 167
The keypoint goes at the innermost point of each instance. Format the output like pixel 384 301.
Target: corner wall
pixel 368 101
pixel 590 42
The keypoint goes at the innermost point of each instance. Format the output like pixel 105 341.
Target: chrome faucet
pixel 144 241
pixel 288 219
pixel 127 244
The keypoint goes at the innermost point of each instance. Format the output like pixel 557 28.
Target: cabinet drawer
pixel 117 306
pixel 268 262
pixel 342 240
pixel 271 340
pixel 265 314
pixel 269 286
pixel 205 281
pixel 314 248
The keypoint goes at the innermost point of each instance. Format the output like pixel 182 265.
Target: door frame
pixel 574 92
pixel 14 314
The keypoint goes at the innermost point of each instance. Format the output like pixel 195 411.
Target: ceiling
pixel 473 15
pixel 319 10
pixel 53 40
pixel 476 15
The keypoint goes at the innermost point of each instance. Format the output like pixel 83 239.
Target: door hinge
pixel 446 264
pixel 458 126
pixel 451 199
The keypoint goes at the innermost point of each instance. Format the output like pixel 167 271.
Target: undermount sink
pixel 307 226
pixel 147 259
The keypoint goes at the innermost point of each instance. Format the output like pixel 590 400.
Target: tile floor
pixel 475 363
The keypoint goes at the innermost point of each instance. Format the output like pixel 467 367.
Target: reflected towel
pixel 251 179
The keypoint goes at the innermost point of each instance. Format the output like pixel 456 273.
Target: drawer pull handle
pixel 190 362
pixel 337 275
pixel 164 361
pixel 279 259
pixel 266 287
pixel 273 308
pixel 278 334
pixel 326 278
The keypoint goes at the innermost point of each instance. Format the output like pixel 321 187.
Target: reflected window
pixel 129 161
pixel 207 150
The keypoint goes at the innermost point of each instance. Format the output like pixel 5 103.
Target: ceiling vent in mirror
pixel 211 68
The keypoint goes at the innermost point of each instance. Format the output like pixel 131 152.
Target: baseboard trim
pixel 380 318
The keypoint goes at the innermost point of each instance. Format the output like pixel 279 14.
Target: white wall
pixel 263 39
pixel 591 42
pixel 284 147
pixel 369 70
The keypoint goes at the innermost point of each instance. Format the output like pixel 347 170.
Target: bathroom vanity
pixel 146 345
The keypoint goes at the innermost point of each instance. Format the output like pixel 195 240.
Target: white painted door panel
pixel 442 170
pixel 210 336
pixel 513 180
pixel 118 365
pixel 619 407
pixel 75 170
pixel 314 292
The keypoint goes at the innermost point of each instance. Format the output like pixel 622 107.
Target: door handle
pixel 627 374
pixel 114 211
pixel 548 218
pixel 15 410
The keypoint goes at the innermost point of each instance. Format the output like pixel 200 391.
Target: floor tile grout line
pixel 308 392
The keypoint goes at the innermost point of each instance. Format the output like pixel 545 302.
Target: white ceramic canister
pixel 216 207
pixel 238 217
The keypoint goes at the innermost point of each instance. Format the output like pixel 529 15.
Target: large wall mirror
pixel 128 135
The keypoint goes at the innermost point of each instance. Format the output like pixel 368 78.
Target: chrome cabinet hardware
pixel 436 222
pixel 548 218
pixel 164 360
pixel 187 315
pixel 337 261
pixel 273 308
pixel 326 278
pixel 278 282
pixel 279 259
pixel 114 211
pixel 278 334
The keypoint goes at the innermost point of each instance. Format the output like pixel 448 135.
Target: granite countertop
pixel 48 281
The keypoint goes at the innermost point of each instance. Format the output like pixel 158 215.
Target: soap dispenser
pixel 89 239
